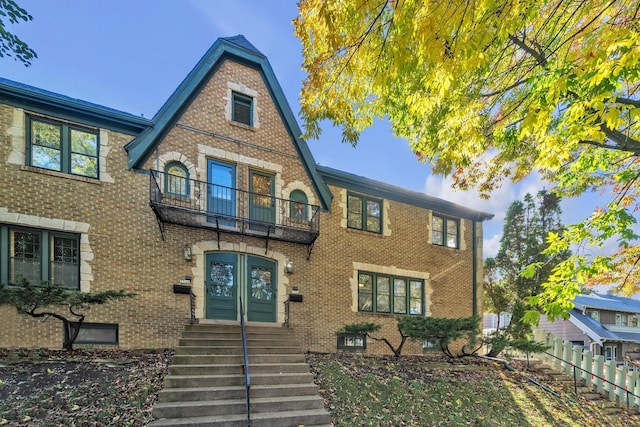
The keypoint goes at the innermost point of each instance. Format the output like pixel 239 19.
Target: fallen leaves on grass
pixel 431 391
pixel 80 388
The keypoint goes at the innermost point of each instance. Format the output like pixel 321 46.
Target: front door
pixel 262 206
pixel 230 276
pixel 221 284
pixel 221 194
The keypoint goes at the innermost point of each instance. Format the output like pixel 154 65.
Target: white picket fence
pixel 593 369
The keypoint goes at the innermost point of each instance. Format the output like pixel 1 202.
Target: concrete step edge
pixel 223 402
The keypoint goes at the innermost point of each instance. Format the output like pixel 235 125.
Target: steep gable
pixel 239 50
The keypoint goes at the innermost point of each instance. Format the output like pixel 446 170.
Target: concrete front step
pixel 236 392
pixel 238 369
pixel 189 381
pixel 228 359
pixel 310 418
pixel 204 408
pixel 237 342
pixel 205 385
pixel 187 350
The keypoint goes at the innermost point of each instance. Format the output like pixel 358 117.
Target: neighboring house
pixel 217 192
pixel 606 324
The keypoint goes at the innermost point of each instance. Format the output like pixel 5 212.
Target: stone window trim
pixel 361 214
pixel 441 235
pixel 393 271
pixel 49 256
pixel 201 248
pixel 398 299
pixel 245 91
pixel 177 184
pixel 386 223
pixel 55 225
pixel 65 148
pixel 18 156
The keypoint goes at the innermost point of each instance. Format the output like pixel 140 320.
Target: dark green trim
pixel 363 213
pixel 46 254
pixel 245 100
pixel 239 50
pixel 392 311
pixel 391 192
pixel 66 150
pixel 445 220
pixel 474 251
pixel 4 254
pixel 186 178
pixel 49 103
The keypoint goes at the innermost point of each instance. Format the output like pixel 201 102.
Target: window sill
pixel 364 232
pixel 60 174
pixel 242 125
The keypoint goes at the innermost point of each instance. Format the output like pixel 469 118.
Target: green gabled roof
pixel 387 191
pixel 239 49
pixel 76 110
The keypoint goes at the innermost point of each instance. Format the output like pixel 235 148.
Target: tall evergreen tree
pixel 526 226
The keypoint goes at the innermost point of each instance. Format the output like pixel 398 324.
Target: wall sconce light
pixel 288 267
pixel 186 251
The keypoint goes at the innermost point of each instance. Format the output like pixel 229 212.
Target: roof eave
pixel 388 191
pixel 49 103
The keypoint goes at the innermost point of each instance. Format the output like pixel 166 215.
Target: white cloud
pixel 497 204
pixel 491 246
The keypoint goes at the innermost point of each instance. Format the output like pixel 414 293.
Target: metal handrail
pixel 247 377
pixel 575 377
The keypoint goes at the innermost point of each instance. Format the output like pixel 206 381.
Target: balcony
pixel 223 209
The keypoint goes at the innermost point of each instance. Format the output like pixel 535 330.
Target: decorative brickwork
pixel 122 246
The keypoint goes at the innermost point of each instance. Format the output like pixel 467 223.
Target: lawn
pixel 81 388
pixel 437 391
pixel 118 388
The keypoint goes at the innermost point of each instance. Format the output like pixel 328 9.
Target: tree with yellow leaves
pixel 488 91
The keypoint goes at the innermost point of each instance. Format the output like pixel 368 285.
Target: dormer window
pixel 242 111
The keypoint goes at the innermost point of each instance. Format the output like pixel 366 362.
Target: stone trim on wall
pixel 17 155
pixel 391 271
pixel 386 221
pixel 301 186
pixel 245 90
pixel 462 245
pixel 82 228
pixel 199 251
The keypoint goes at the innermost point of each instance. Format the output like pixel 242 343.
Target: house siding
pixel 129 252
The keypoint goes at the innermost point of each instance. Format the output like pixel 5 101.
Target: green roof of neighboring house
pixel 239 49
pixel 391 192
pixel 50 103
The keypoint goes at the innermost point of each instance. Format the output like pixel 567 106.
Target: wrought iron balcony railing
pixel 178 200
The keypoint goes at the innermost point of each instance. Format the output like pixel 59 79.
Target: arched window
pixel 176 179
pixel 299 209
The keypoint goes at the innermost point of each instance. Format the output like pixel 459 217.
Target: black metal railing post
pixel 245 353
pixel 192 307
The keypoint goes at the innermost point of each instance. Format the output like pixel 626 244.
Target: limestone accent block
pixel 391 271
pixel 17 133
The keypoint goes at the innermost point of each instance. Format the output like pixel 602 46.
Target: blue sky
pixel 132 54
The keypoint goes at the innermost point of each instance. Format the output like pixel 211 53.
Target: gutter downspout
pixel 475 270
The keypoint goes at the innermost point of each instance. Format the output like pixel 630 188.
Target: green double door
pixel 229 276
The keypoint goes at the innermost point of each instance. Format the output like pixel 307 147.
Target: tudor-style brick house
pixel 217 191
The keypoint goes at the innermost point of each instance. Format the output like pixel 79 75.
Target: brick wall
pixel 129 253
